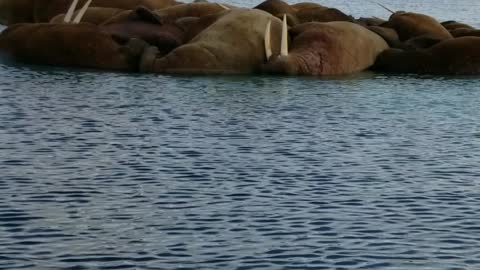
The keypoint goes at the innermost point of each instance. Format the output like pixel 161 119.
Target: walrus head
pixel 281 63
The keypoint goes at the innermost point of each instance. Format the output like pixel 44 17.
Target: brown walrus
pixel 29 11
pixel 409 25
pixel 74 45
pixel 459 56
pixel 232 45
pixel 333 48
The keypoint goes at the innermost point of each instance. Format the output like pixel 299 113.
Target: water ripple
pixel 118 171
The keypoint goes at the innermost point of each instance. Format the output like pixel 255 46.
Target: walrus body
pixel 409 25
pixel 30 11
pixel 190 10
pixel 459 56
pixel 303 12
pixel 76 45
pixel 232 45
pixel 333 48
pixel 93 15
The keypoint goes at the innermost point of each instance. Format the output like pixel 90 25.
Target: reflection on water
pixel 128 171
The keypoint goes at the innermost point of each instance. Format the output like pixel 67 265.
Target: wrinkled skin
pixel 93 15
pixel 29 11
pixel 232 45
pixel 75 45
pixel 409 25
pixel 459 56
pixel 333 48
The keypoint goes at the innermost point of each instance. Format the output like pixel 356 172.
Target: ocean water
pixel 103 170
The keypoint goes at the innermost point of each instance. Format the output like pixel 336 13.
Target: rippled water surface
pixel 119 171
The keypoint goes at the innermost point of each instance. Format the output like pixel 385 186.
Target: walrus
pixel 276 7
pixel 465 32
pixel 166 35
pixel 459 56
pixel 170 14
pixel 234 44
pixel 30 11
pixel 452 25
pixel 333 48
pixel 409 25
pixel 70 43
pixel 304 5
pixel 93 15
pixel 80 45
pixel 279 8
pixel 191 10
pixel 322 15
pixel 388 34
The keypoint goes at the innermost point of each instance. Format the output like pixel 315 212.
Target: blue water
pixel 125 171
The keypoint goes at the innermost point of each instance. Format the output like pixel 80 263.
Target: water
pixel 120 171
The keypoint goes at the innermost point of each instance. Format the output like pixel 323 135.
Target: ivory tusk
pixel 284 45
pixel 71 9
pixel 268 45
pixel 223 6
pixel 389 10
pixel 82 11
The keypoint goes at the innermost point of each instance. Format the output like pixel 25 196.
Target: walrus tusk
pixel 82 11
pixel 284 45
pixel 268 45
pixel 71 9
pixel 223 6
pixel 389 10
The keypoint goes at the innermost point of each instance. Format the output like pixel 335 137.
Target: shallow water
pixel 120 171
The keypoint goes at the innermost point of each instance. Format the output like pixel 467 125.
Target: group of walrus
pixel 169 37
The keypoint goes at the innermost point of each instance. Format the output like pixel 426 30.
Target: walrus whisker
pixel 284 45
pixel 82 11
pixel 71 10
pixel 223 6
pixel 268 45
